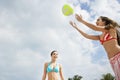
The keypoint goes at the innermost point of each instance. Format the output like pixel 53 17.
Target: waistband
pixel 116 56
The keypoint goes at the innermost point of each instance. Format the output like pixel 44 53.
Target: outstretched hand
pixel 73 24
pixel 78 17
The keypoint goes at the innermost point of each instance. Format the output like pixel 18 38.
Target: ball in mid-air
pixel 67 10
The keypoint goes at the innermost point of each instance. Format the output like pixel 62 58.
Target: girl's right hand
pixel 73 24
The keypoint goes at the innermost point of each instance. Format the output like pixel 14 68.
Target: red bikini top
pixel 106 37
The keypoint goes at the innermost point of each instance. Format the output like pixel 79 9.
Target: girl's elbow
pixel 44 77
pixel 62 78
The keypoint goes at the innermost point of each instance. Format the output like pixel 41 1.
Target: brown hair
pixel 111 24
pixel 53 52
pixel 118 36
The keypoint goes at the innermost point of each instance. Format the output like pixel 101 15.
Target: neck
pixel 53 61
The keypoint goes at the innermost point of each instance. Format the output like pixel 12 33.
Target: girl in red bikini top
pixel 104 24
pixel 106 37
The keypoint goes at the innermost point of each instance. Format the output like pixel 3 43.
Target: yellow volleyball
pixel 67 10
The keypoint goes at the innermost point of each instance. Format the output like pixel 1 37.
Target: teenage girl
pixel 109 38
pixel 52 68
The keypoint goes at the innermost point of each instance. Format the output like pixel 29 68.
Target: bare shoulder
pixel 46 64
pixel 112 30
pixel 60 65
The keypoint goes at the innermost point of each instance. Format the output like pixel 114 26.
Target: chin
pixel 55 58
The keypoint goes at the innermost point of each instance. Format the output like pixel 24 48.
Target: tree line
pixel 107 76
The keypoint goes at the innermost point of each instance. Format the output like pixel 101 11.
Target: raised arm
pixel 61 73
pixel 93 37
pixel 92 26
pixel 44 72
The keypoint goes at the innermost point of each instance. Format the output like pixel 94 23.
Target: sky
pixel 31 29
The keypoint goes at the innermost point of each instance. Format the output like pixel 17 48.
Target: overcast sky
pixel 31 29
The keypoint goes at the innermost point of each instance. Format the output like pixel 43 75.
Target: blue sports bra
pixel 50 69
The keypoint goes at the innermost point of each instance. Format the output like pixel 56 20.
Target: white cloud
pixel 107 8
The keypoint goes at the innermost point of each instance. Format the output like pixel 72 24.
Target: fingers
pixel 71 22
pixel 76 16
pixel 80 15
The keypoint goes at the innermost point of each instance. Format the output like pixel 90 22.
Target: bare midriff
pixel 53 76
pixel 112 48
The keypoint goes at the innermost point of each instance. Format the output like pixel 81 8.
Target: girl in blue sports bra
pixel 109 39
pixel 53 69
